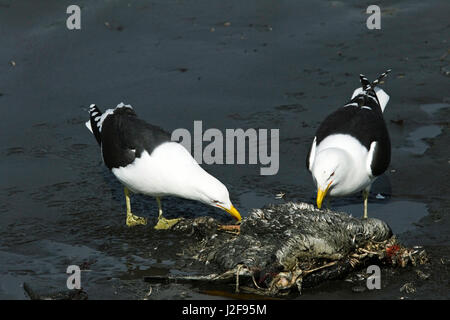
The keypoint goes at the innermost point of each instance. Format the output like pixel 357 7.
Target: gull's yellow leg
pixel 366 198
pixel 132 220
pixel 163 223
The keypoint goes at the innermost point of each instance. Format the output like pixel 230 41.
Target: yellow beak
pixel 321 194
pixel 234 213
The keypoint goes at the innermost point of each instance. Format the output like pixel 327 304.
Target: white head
pixel 329 170
pixel 212 192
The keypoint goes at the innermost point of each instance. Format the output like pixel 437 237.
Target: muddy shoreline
pixel 253 64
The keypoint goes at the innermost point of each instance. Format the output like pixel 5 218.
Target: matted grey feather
pixel 291 232
pixel 291 245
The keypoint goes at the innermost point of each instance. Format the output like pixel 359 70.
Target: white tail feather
pixel 382 96
pixel 356 92
pixel 88 125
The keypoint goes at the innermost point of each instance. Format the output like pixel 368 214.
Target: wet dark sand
pixel 257 64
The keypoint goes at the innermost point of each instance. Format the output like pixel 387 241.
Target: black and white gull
pixel 145 160
pixel 352 147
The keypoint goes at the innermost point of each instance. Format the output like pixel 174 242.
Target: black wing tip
pixel 384 74
pixel 364 82
pixel 94 117
pixel 380 77
pixel 93 107
pixel 367 85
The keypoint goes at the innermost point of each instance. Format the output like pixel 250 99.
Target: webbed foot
pixel 133 220
pixel 165 224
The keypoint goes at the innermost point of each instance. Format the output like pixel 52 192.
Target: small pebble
pixel 445 71
pixel 408 288
pixel 422 275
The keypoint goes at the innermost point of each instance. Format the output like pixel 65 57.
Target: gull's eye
pixel 332 174
pixel 216 201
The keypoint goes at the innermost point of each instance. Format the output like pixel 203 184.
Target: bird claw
pixel 165 224
pixel 133 220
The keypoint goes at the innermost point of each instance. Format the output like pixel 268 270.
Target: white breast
pixel 169 170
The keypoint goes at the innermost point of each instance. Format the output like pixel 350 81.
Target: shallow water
pixel 401 216
pixel 282 65
pixel 416 144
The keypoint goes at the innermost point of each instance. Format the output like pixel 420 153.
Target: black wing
pixel 125 137
pixel 362 118
pixel 363 124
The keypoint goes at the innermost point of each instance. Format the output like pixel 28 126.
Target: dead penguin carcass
pixel 291 245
